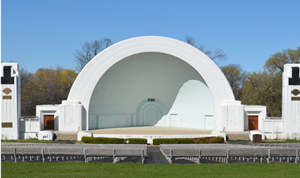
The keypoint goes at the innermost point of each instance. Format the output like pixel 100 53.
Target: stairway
pixel 238 135
pixel 65 135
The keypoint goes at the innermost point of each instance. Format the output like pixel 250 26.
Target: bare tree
pixel 89 51
pixel 216 54
pixel 236 77
pixel 27 105
pixel 264 88
pixel 190 40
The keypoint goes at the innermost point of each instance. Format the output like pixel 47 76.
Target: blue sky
pixel 46 33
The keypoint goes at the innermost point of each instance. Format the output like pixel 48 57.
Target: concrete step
pixel 238 135
pixel 65 135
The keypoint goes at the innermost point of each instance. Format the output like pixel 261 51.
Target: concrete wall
pixel 29 127
pixel 233 116
pixel 42 110
pixel 192 108
pixel 290 106
pixel 10 103
pixel 85 84
pixel 178 95
pixel 255 110
pixel 71 116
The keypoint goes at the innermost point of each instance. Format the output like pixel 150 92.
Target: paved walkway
pixel 155 156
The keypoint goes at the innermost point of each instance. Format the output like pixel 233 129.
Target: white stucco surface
pixel 71 116
pixel 11 108
pixel 232 116
pixel 290 108
pixel 84 85
pixel 255 110
pixel 120 98
pixel 42 110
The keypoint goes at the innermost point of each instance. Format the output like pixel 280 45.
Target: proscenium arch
pixel 88 78
pixel 146 103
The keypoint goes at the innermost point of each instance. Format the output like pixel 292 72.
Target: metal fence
pixel 226 153
pixel 59 152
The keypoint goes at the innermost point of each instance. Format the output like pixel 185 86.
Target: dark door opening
pixel 253 122
pixel 49 122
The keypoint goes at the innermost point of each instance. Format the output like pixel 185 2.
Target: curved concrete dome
pixel 84 85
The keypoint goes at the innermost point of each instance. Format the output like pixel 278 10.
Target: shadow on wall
pixel 192 108
pixel 150 89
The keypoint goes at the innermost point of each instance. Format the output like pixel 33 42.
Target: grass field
pixel 90 170
pixel 32 140
pixel 283 141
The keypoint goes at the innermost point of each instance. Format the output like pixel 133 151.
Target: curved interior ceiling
pixel 151 89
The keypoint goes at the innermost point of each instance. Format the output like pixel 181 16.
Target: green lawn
pixel 90 170
pixel 284 141
pixel 32 140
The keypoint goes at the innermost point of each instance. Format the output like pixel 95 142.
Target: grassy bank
pixel 139 170
pixel 32 140
pixel 282 141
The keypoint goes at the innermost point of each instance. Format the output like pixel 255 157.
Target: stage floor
pixel 151 130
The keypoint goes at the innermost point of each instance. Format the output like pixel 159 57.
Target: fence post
pixel 23 154
pixel 269 155
pixel 84 153
pixel 227 155
pixel 261 156
pixel 297 154
pixel 15 154
pixel 171 156
pixel 199 156
pixel 50 154
pixel 142 154
pixel 43 154
pixel 114 154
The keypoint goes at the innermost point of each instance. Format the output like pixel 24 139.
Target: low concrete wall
pixel 273 128
pixel 29 127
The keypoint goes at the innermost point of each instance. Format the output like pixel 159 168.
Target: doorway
pixel 209 122
pixel 174 120
pixel 151 114
pixel 48 122
pixel 253 122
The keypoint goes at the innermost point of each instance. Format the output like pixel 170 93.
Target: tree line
pixel 51 86
pixel 256 88
pixel 46 86
pixel 263 87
